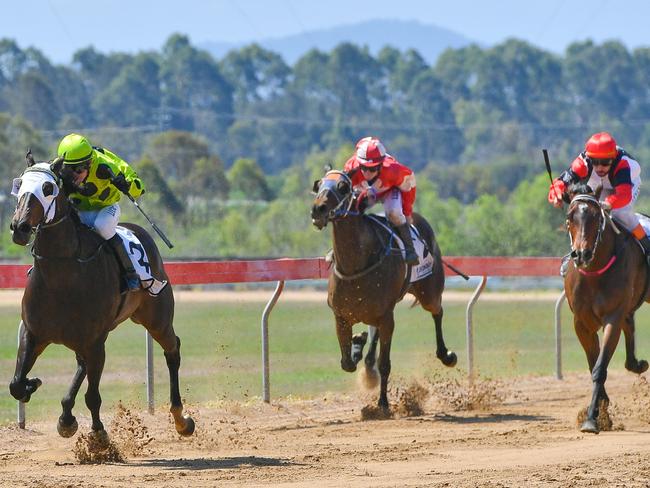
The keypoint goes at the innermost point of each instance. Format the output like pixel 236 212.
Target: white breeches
pixel 102 221
pixel 392 201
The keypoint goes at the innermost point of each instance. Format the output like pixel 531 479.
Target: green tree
pixel 248 179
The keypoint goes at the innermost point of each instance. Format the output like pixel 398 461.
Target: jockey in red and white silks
pixel 380 177
pixel 605 164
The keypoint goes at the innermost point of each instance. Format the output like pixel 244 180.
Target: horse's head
pixel 333 198
pixel 37 190
pixel 585 221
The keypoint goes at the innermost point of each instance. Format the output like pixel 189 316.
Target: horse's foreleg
pixel 67 425
pixel 21 387
pixel 95 359
pixel 631 362
pixel 344 335
pixel 386 327
pixel 184 423
pixel 611 336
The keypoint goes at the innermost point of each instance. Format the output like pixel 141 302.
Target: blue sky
pixel 60 27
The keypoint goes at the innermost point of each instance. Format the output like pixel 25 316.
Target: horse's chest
pixel 357 303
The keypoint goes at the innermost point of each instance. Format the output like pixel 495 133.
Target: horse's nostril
pixel 322 208
pixel 24 227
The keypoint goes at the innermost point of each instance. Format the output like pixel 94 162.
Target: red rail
pixel 203 272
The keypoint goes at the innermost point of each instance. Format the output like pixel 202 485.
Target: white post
pixel 558 335
pixel 150 400
pixel 266 388
pixel 21 405
pixel 470 330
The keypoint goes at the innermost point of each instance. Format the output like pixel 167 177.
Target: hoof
pixel 348 365
pixel 358 343
pixel 449 359
pixel 67 430
pixel 638 367
pixel 590 427
pixel 188 428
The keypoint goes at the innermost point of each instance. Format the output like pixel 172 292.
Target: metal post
pixel 150 400
pixel 558 335
pixel 266 388
pixel 21 405
pixel 470 331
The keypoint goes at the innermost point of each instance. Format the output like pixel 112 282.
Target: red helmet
pixel 601 146
pixel 370 152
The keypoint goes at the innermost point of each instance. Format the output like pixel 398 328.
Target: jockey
pixel 97 191
pixel 381 177
pixel 608 165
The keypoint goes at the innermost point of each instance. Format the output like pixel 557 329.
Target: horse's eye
pixel 342 186
pixel 48 188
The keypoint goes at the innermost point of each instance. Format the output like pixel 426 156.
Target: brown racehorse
pixel 604 288
pixel 368 281
pixel 73 297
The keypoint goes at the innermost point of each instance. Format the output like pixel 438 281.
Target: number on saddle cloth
pixel 138 255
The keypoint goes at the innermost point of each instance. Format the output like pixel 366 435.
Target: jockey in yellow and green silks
pixel 98 178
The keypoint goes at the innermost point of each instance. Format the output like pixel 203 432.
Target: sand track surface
pixel 526 435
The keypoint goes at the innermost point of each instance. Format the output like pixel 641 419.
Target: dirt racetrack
pixel 527 438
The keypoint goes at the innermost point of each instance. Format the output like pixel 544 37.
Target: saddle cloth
pixel 138 255
pixel 425 267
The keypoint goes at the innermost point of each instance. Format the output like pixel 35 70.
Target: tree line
pixel 229 146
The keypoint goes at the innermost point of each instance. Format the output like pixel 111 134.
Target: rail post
pixel 558 335
pixel 266 385
pixel 470 329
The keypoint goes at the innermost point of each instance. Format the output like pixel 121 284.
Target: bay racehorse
pixel 369 279
pixel 72 296
pixel 604 288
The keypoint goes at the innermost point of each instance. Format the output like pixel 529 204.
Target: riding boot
pixel 410 255
pixel 130 276
pixel 645 243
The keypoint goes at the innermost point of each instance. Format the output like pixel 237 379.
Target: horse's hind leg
pixel 430 300
pixel 21 387
pixel 67 425
pixel 631 362
pixel 371 356
pixel 184 424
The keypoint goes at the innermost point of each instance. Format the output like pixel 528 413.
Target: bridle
pixel 343 207
pixel 603 219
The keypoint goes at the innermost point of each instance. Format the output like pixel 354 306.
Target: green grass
pixel 221 350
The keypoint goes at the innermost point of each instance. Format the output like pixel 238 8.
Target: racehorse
pixel 368 279
pixel 72 296
pixel 606 285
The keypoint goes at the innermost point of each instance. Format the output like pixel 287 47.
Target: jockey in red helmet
pixel 603 163
pixel 380 177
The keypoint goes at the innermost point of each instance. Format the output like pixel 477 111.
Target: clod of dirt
pixel 604 421
pixel 410 400
pixel 129 432
pixel 96 448
pixel 480 395
pixel 373 412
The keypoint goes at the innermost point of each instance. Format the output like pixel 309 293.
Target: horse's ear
pixel 598 191
pixel 56 165
pixel 327 167
pixel 314 188
pixel 29 158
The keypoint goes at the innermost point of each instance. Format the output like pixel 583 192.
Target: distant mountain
pixel 428 40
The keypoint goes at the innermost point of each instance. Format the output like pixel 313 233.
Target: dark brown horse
pixel 73 297
pixel 368 280
pixel 604 288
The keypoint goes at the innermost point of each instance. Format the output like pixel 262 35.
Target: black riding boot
pixel 130 276
pixel 405 234
pixel 645 243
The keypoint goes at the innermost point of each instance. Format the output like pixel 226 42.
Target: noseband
pixel 343 207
